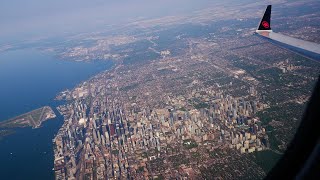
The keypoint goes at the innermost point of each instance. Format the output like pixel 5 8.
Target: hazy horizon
pixel 21 19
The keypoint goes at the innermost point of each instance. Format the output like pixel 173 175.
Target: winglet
pixel 265 23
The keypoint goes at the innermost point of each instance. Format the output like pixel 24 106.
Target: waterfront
pixel 30 79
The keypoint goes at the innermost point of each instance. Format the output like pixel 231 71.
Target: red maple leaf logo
pixel 265 24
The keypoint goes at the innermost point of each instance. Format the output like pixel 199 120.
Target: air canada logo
pixel 265 24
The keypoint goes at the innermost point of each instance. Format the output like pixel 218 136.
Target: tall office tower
pixel 178 131
pixel 241 137
pixel 236 104
pixel 255 128
pixel 255 106
pixel 69 133
pixel 258 142
pixel 234 113
pixel 162 119
pixel 201 112
pixel 154 143
pixel 103 140
pixel 79 142
pixel 94 124
pixel 99 137
pixel 95 138
pixel 190 129
pixel 222 132
pixel 104 129
pixel 171 121
pixel 112 129
pixel 151 134
pixel 145 143
pixel 211 120
pixel 107 136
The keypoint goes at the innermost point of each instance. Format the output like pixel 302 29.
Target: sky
pixel 22 19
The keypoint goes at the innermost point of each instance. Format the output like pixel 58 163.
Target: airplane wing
pixel 305 48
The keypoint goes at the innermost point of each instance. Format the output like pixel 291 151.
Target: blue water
pixel 30 79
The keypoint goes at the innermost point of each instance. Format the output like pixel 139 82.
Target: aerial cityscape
pixel 187 97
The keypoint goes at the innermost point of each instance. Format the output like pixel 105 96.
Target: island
pixel 33 118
